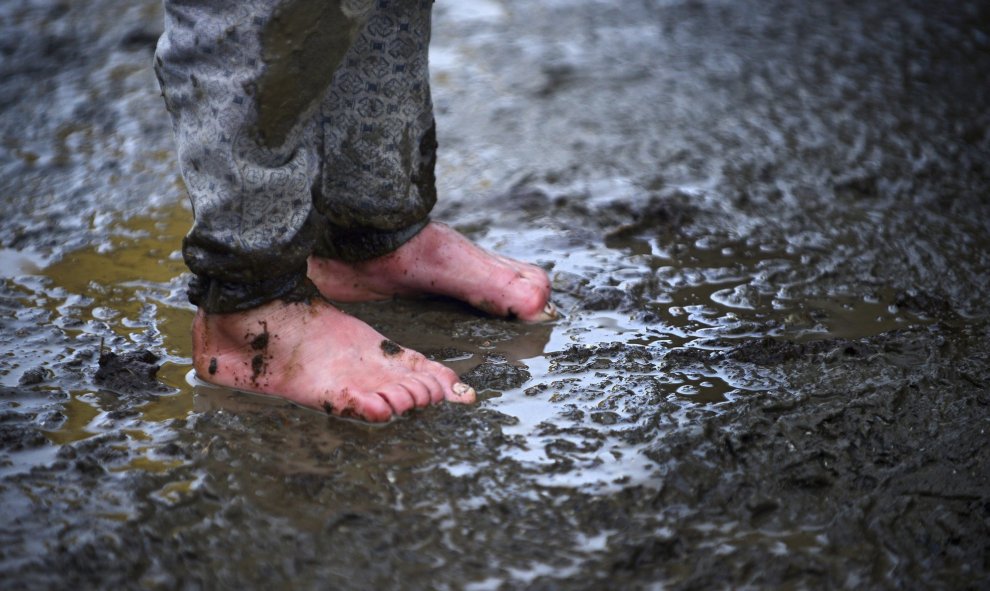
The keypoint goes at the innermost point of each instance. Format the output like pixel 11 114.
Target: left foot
pixel 317 356
pixel 441 261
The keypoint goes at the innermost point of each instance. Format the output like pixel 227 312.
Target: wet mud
pixel 130 372
pixel 768 232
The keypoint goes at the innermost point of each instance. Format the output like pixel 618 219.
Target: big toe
pixel 461 393
pixel 533 302
pixel 374 408
pixel 452 389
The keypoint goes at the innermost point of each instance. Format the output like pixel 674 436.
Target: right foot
pixel 440 261
pixel 317 356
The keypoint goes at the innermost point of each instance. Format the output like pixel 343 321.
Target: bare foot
pixel 317 356
pixel 440 261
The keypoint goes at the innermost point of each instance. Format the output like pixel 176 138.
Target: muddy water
pixel 767 227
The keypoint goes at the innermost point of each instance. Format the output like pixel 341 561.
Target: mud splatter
pixel 390 349
pixel 260 341
pixel 213 366
pixel 258 367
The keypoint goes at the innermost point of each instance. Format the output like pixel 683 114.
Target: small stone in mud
pixel 213 365
pixel 390 348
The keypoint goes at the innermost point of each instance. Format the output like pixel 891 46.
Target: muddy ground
pixel 767 225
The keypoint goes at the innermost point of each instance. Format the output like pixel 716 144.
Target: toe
pixel 419 389
pixel 533 305
pixel 370 407
pixel 549 313
pixel 398 397
pixel 445 376
pixel 530 294
pixel 434 387
pixel 461 393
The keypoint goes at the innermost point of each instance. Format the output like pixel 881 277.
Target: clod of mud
pixel 578 358
pixel 35 375
pixel 605 298
pixel 18 429
pixel 576 293
pixel 14 436
pixel 664 213
pixel 132 372
pixel 495 373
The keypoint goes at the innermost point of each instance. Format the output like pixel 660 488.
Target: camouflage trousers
pixel 303 127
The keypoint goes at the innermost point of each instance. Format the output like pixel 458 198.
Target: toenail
pixel 549 313
pixel 460 388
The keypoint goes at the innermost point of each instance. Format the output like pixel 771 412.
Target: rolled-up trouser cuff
pixel 214 296
pixel 360 244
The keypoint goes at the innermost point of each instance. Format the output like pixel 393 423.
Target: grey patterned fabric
pixel 302 126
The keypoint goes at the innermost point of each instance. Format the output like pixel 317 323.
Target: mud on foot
pixel 317 356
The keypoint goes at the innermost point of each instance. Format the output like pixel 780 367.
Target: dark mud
pixel 389 348
pixel 768 230
pixel 496 373
pixel 130 372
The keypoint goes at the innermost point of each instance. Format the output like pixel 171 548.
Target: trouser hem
pixel 360 244
pixel 215 296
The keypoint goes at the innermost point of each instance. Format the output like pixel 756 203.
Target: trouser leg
pixel 377 184
pixel 300 124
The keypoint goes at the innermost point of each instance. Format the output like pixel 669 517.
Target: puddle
pixel 123 293
pixel 130 290
pixel 20 262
